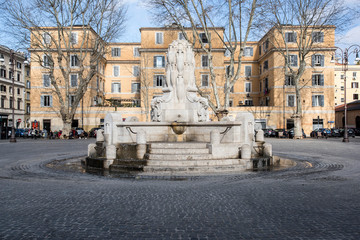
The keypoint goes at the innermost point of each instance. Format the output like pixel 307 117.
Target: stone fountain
pixel 180 137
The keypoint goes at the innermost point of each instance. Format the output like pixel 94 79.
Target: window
pixel 115 52
pixel 248 52
pixel 227 53
pixel 204 61
pixel 317 60
pixel 290 100
pixel 10 90
pixel 137 103
pixel 116 87
pixel 73 38
pixel 290 37
pixel 354 85
pixel 181 36
pixel 46 101
pixel 293 60
pixel 203 38
pixel 27 95
pixel 318 80
pixel 46 38
pixel 356 96
pixel 11 102
pixel 28 73
pixel 259 50
pixel 18 65
pixel 10 75
pixel 247 71
pixel 318 100
pixel 318 123
pixel 27 84
pixel 3 88
pixel 159 38
pixel 342 99
pixel 18 77
pixel 135 87
pixel 74 61
pixel 248 102
pixel 247 87
pixel 231 103
pixel 354 74
pixel 46 61
pixel 28 108
pixel 159 61
pixel 19 104
pixel 205 80
pixel 116 71
pixel 228 72
pixel 136 71
pixel 136 52
pixel 3 101
pixel 3 73
pixel 289 81
pixel 266 86
pixel 318 37
pixel 342 88
pixel 46 80
pixel 18 91
pixel 159 80
pixel 73 80
pixel 266 45
pixel 266 65
pixel 342 76
pixel 71 100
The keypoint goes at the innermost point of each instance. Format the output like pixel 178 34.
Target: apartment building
pixel 12 90
pixel 131 74
pixel 352 84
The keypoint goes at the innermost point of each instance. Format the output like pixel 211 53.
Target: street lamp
pixel 12 62
pixel 344 65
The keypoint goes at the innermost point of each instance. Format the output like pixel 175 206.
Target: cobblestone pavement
pixel 317 199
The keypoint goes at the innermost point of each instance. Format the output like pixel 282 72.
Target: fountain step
pixel 125 168
pixel 181 145
pixel 177 157
pixel 199 169
pixel 179 151
pixel 192 163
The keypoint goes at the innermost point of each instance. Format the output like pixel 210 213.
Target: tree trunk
pixel 66 128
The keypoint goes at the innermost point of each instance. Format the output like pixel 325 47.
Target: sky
pixel 138 16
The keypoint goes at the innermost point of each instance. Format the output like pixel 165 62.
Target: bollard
pixel 141 144
pixel 267 150
pixel 259 136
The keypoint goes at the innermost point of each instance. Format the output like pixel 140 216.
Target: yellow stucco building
pixel 131 74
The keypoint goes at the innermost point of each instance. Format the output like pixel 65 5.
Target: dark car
pixel 321 132
pixel 292 134
pixel 280 133
pixel 351 132
pixel 93 131
pixel 335 132
pixel 268 132
pixel 19 132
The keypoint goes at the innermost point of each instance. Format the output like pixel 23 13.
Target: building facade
pixel 352 84
pixel 12 92
pixel 133 74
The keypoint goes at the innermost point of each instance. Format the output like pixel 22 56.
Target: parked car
pixel 351 132
pixel 280 133
pixel 335 132
pixel 79 131
pixel 93 131
pixel 268 132
pixel 321 132
pixel 292 134
pixel 19 132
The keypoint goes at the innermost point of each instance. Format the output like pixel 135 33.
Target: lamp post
pixel 12 63
pixel 344 65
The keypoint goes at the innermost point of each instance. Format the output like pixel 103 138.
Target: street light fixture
pixel 344 64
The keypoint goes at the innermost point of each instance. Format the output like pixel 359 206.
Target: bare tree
pixel 145 84
pixel 62 34
pixel 206 17
pixel 296 27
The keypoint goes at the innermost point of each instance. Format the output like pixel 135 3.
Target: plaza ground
pixel 319 198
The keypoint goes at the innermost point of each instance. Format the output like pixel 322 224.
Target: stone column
pixel 110 156
pixel 259 136
pixel 141 144
pixel 215 136
pixel 246 156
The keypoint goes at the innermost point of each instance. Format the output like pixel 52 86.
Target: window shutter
pixel 322 60
pixel 50 101
pixel 163 61
pixel 313 80
pixel 251 52
pixel 321 80
pixel 155 81
pixel 295 60
pixel 42 101
pixel 312 60
pixel 313 101
pixel 321 100
pixel 112 87
pixel 286 37
pixel 154 61
pixel 321 37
